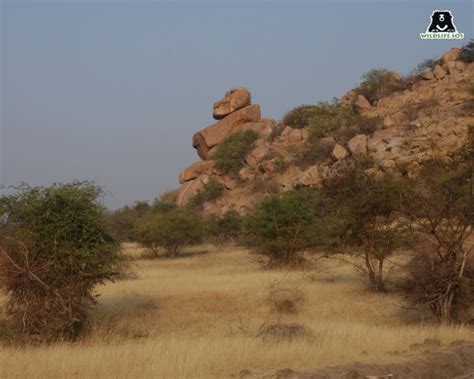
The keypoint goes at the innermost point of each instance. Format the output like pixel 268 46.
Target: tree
pixel 378 83
pixel 54 251
pixel 120 222
pixel 282 226
pixel 171 230
pixel 224 228
pixel 368 210
pixel 440 205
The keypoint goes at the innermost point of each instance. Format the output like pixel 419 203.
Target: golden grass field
pixel 197 316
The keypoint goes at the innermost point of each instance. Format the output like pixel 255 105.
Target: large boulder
pixel 310 177
pixel 196 169
pixel 263 127
pixel 353 99
pixel 189 189
pixel 450 55
pixel 233 100
pixel 339 153
pixel 358 145
pixel 209 137
pixel 439 72
pixel 257 155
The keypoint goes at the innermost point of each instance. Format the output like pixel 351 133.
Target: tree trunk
pixel 443 308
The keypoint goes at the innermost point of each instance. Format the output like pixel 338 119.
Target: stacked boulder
pixel 234 113
pixel 446 65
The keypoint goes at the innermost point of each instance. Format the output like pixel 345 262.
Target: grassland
pixel 198 316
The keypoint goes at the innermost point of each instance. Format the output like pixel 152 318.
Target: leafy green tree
pixel 54 251
pixel 440 207
pixel 121 222
pixel 368 208
pixel 378 83
pixel 224 228
pixel 231 153
pixel 282 226
pixel 171 231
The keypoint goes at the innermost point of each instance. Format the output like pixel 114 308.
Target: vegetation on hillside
pixel 212 190
pixel 231 153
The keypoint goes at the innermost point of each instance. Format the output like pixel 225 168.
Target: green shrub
pixel 120 222
pixel 231 153
pixel 300 116
pixel 378 83
pixel 166 202
pixel 170 231
pixel 280 163
pixel 467 52
pixel 54 252
pixel 333 119
pixel 225 228
pixel 282 226
pixel 212 190
pixel 368 207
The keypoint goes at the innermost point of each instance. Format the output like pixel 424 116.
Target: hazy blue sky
pixel 113 91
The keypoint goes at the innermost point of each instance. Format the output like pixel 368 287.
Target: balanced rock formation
pixel 235 113
pixel 233 100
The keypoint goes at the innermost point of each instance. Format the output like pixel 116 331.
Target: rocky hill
pixel 429 119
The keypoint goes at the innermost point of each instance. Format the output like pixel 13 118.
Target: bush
pixel 467 52
pixel 300 116
pixel 282 226
pixel 231 153
pixel 166 202
pixel 212 190
pixel 378 83
pixel 54 251
pixel 326 119
pixel 313 152
pixel 225 228
pixel 120 222
pixel 170 231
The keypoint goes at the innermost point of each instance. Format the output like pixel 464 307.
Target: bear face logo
pixel 441 22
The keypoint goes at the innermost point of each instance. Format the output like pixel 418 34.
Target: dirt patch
pixel 455 361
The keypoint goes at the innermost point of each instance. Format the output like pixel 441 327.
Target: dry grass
pixel 198 316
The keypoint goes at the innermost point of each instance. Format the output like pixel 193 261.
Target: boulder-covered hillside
pixel 427 117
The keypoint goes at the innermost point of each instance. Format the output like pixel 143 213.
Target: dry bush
pixel 280 332
pixel 312 152
pixel 264 185
pixel 285 300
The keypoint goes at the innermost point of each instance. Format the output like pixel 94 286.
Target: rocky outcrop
pixel 428 120
pixel 196 169
pixel 235 113
pixel 189 189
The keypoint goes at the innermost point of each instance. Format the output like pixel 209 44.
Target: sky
pixel 112 91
